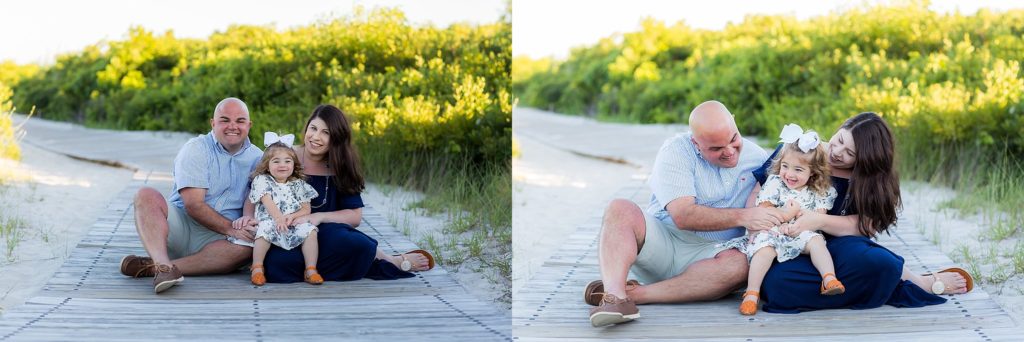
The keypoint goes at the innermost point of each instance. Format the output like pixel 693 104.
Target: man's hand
pixel 760 218
pixel 247 233
pixel 242 222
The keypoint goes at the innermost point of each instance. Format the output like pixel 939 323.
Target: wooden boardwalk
pixel 550 306
pixel 88 298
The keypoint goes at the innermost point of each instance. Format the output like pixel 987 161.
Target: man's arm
pixel 196 207
pixel 688 215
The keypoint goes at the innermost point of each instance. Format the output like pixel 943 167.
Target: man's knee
pixel 623 214
pixel 148 197
pixel 733 265
pixel 230 255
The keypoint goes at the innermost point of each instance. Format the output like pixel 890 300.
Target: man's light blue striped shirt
pixel 204 163
pixel 680 171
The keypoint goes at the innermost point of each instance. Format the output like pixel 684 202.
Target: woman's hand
pixel 805 220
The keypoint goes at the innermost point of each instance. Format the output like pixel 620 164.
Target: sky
pixel 542 28
pixel 36 31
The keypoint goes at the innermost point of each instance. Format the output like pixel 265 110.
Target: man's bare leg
pixel 706 279
pixel 151 223
pixel 622 236
pixel 216 257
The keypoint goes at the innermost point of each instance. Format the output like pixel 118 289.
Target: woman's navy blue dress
pixel 345 253
pixel 870 272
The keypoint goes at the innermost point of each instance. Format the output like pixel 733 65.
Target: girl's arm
pixel 272 209
pixel 303 211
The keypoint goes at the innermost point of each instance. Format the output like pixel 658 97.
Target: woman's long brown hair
pixel 874 184
pixel 342 156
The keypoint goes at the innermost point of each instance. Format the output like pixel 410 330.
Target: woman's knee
pixel 340 240
pixel 877 263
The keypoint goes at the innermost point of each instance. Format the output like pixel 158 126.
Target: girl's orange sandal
pixel 749 306
pixel 833 287
pixel 313 278
pixel 257 279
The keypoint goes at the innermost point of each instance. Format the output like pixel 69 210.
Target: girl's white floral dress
pixel 289 198
pixel 777 193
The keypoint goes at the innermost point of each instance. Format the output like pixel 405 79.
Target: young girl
pixel 799 180
pixel 281 195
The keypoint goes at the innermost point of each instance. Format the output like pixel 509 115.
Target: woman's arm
pixel 350 217
pixel 831 224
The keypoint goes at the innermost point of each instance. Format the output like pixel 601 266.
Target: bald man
pixel 700 186
pixel 185 234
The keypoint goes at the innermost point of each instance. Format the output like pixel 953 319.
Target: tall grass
pixel 477 197
pixel 985 177
pixel 989 182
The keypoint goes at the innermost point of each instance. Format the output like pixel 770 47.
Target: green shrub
pixel 8 140
pixel 950 85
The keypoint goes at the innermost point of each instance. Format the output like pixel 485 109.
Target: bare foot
pixel 419 261
pixel 955 283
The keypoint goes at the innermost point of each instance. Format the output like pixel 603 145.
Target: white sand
pixel 395 204
pixel 57 206
pixel 954 233
pixel 553 193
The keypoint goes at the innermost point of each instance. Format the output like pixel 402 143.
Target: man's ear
pixel 694 141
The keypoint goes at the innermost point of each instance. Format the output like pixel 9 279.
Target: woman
pixel 331 165
pixel 861 159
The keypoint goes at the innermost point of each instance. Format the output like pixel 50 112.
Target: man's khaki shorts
pixel 668 251
pixel 185 236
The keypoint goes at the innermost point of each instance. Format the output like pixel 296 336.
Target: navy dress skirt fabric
pixel 345 253
pixel 870 272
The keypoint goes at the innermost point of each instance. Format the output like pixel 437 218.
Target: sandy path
pixel 57 206
pixel 555 191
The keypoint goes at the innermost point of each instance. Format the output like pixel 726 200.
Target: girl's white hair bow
pixel 271 137
pixel 805 141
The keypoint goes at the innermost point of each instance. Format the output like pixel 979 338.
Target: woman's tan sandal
pixel 407 265
pixel 939 287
